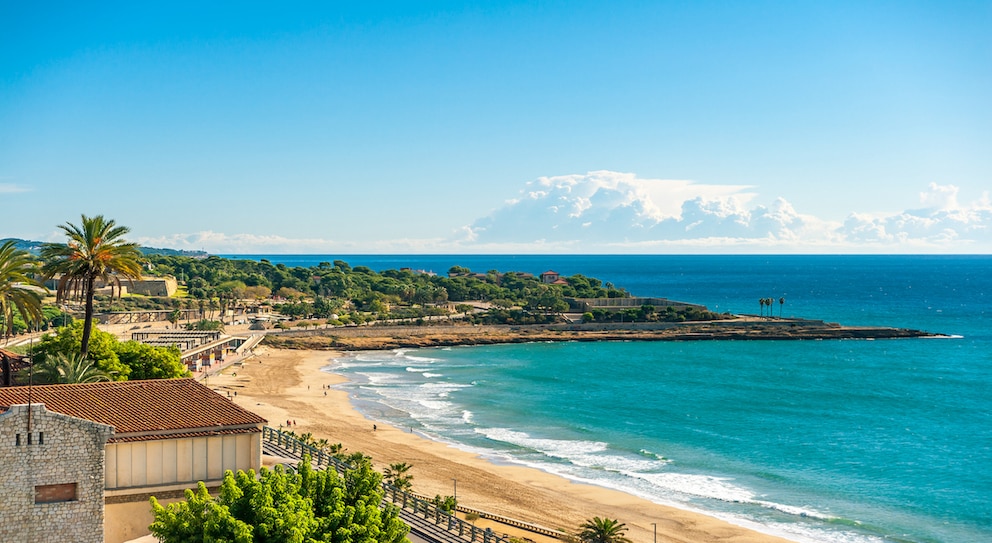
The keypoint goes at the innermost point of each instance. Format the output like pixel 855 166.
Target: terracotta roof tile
pixel 154 405
pixel 10 354
pixel 183 435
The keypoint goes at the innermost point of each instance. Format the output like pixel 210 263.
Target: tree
pixel 206 326
pixel 199 519
pixel 781 303
pixel 150 362
pixel 603 530
pixel 120 360
pixel 67 340
pixel 279 505
pixel 18 288
pixel 70 368
pixel 174 316
pixel 396 475
pixel 95 250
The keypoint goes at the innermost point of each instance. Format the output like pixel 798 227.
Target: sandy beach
pixel 288 385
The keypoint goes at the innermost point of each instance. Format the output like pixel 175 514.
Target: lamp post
pixel 455 482
pixel 655 524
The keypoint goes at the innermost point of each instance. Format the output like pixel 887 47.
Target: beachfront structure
pixel 168 434
pixel 199 349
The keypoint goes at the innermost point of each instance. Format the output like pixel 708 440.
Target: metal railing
pixel 421 514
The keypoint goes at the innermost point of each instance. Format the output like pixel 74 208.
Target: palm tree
pixel 70 368
pixel 762 302
pixel 18 288
pixel 781 302
pixel 603 530
pixel 396 475
pixel 174 316
pixel 95 250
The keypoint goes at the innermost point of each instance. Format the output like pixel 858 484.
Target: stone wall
pixel 53 485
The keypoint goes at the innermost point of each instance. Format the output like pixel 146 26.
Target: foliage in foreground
pixel 281 506
pixel 122 360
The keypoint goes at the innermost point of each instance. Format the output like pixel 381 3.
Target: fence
pixel 417 509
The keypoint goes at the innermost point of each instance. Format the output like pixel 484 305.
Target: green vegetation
pixel 338 294
pixel 69 368
pixel 282 506
pixel 95 250
pixel 650 313
pixel 396 475
pixel 18 288
pixel 602 530
pixel 122 360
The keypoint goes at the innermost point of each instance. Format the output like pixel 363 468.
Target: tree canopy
pixel 122 360
pixel 283 506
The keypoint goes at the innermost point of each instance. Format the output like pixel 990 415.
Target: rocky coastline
pixel 744 329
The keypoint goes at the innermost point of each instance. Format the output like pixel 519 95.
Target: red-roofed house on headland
pixel 168 434
pixel 550 276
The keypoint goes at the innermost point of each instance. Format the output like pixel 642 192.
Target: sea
pixel 838 441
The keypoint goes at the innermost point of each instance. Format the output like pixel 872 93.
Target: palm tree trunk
pixel 84 348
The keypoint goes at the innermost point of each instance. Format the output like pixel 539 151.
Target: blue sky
pixel 452 127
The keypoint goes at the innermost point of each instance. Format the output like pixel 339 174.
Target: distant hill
pixel 34 247
pixel 173 252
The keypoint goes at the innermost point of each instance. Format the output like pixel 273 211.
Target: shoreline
pixel 370 338
pixel 289 386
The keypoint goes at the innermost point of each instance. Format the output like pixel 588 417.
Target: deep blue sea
pixel 833 441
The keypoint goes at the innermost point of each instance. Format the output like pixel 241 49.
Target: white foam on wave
pixel 412 369
pixel 467 416
pixel 377 379
pixel 436 405
pixel 704 486
pixel 557 448
pixel 722 489
pixel 443 386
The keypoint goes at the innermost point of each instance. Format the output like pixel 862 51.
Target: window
pixel 55 493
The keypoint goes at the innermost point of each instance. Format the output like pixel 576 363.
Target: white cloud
pixel 10 188
pixel 609 211
pixel 221 243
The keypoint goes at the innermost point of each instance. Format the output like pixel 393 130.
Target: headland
pixel 742 328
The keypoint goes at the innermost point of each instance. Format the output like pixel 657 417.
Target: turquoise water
pixel 814 440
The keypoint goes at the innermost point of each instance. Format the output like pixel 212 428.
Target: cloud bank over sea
pixel 615 212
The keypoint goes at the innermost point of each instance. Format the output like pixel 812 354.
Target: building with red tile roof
pixel 550 276
pixel 168 434
pixel 142 410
